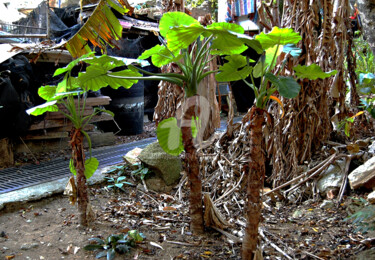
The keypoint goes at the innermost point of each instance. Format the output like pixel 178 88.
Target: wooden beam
pixel 61 122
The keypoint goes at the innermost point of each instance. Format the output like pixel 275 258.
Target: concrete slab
pixel 45 190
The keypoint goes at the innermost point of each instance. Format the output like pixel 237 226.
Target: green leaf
pixel 121 178
pixel 160 55
pixel 312 72
pixel 292 49
pixel 194 129
pixel 96 78
pixel 278 36
pixel 91 165
pixel 270 53
pixel 119 9
pixel 71 167
pixel 119 185
pixel 249 41
pixel 92 247
pixel 181 37
pixel 106 61
pixel 134 234
pixel 97 240
pixel 172 19
pixel 47 92
pixel 259 68
pixel 226 40
pixel 71 65
pixel 101 254
pixel 41 109
pixel 169 136
pixel 366 78
pixel 122 249
pixel 287 86
pixel 235 69
pixel 98 109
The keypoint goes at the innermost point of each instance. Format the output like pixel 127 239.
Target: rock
pixel 332 178
pixel 371 197
pixel 158 185
pixel 363 175
pixel 165 166
pixel 371 148
pixel 327 204
pixel 132 156
pixel 299 213
pixel 28 246
pixel 365 255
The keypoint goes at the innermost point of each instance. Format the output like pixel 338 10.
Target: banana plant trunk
pixel 195 182
pixel 255 182
pixel 78 155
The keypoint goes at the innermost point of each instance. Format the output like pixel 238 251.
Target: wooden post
pixel 6 151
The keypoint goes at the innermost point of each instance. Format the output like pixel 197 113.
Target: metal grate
pixel 29 175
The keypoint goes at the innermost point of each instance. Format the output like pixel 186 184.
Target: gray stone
pixel 298 213
pixel 366 255
pixel 363 175
pixel 332 178
pixel 327 204
pixel 158 185
pixel 28 246
pixel 371 197
pixel 166 166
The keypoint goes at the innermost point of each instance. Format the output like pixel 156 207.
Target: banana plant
pixel 274 43
pixel 191 47
pixel 69 97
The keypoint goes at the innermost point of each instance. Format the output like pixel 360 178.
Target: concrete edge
pixel 45 190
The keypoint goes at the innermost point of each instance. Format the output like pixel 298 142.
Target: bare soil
pixel 49 229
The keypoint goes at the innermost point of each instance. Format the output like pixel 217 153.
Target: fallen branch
pixel 230 191
pixel 317 172
pixel 236 240
pixel 273 245
pixel 182 243
pixel 317 169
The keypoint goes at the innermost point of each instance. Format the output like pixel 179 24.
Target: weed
pixel 121 244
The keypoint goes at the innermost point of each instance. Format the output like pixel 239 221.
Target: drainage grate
pixel 29 175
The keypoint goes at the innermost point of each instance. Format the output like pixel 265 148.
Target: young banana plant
pixel 273 43
pixel 70 94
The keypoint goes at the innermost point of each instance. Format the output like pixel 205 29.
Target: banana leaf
pixel 101 28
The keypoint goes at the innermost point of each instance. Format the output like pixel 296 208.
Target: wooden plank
pixel 49 135
pixel 87 128
pixel 63 122
pixel 91 101
pixel 58 115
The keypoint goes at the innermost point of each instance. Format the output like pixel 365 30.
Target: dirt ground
pixel 49 229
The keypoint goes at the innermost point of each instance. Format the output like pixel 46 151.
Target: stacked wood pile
pixel 52 133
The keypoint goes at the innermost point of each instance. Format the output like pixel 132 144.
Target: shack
pixel 24 67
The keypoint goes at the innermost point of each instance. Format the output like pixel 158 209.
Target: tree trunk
pixel 78 155
pixel 367 12
pixel 196 208
pixel 255 182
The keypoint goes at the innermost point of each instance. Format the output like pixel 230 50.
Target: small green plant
pixel 365 71
pixel 363 219
pixel 118 169
pixel 121 244
pixel 141 170
pixel 347 123
pixel 117 183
